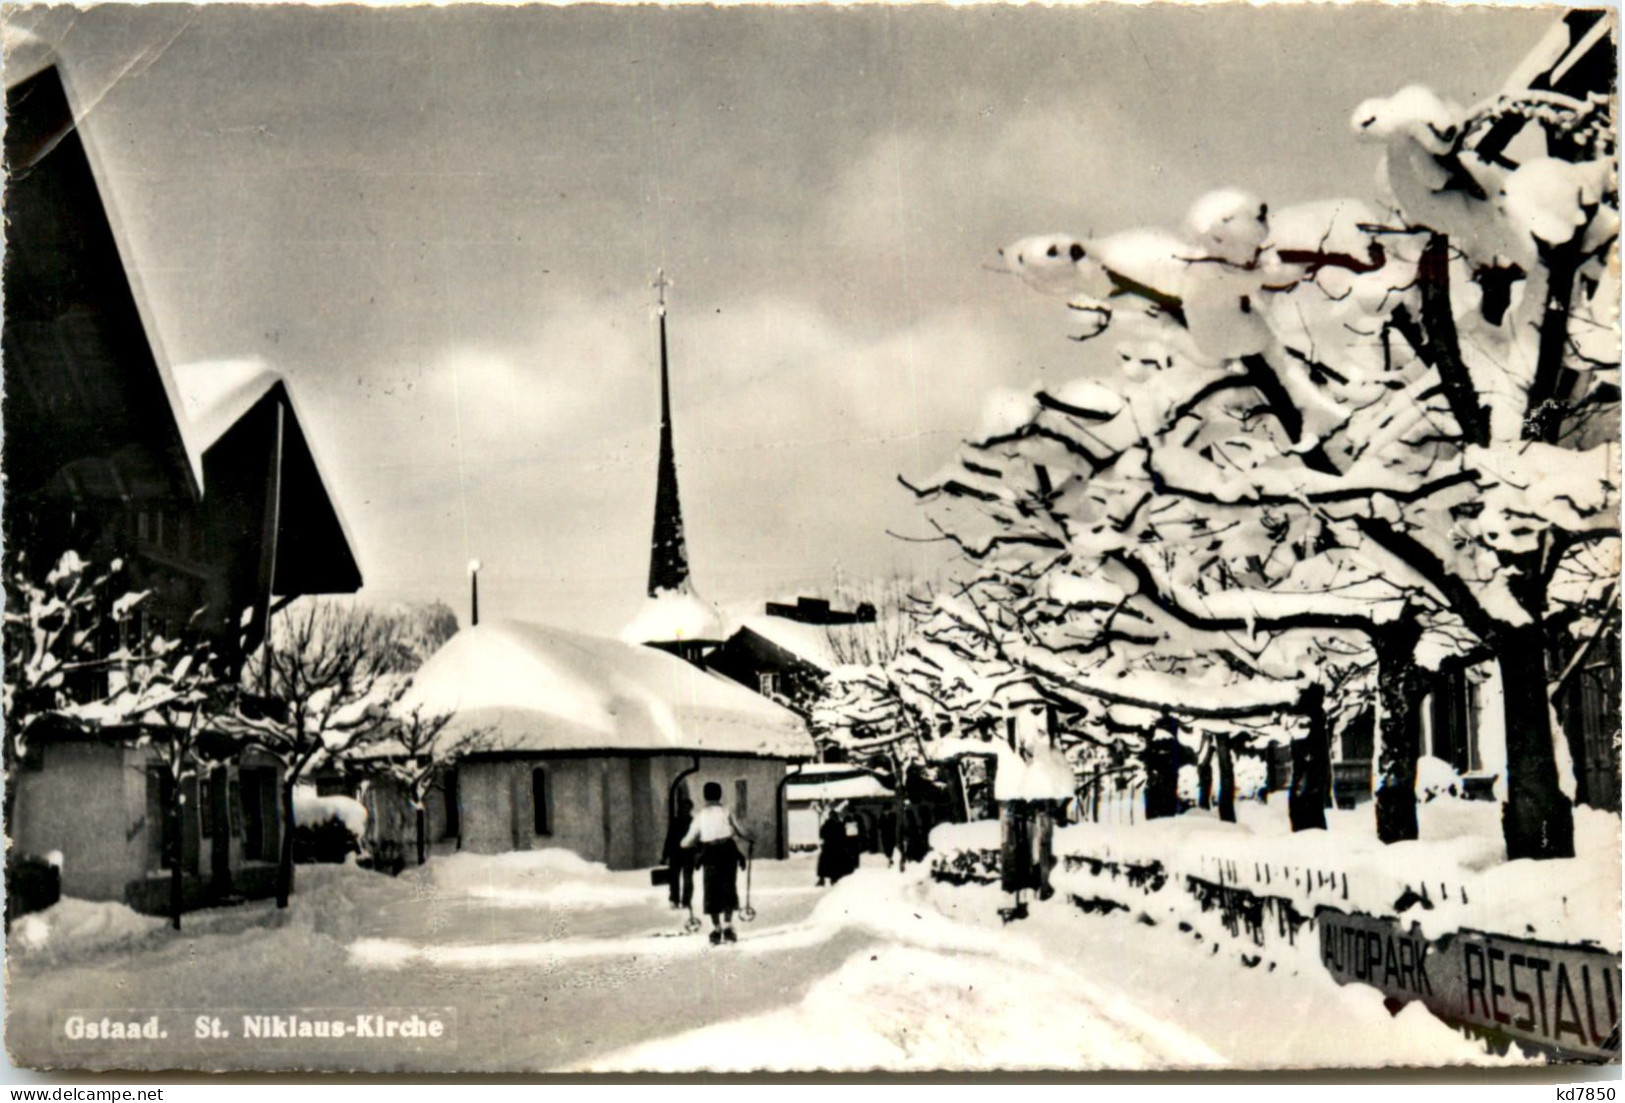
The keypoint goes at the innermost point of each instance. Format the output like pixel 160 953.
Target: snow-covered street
pixel 551 964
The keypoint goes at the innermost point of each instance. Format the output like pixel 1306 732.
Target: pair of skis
pixel 747 914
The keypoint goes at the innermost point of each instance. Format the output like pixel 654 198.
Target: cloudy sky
pixel 442 224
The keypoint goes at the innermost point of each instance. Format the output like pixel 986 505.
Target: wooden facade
pixel 211 525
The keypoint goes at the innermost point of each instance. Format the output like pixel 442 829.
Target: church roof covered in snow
pixel 545 689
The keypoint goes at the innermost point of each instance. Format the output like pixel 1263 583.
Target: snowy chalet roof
pixel 545 689
pixel 229 408
pixel 834 781
pixel 215 394
pixel 808 642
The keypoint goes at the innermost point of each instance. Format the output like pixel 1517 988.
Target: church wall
pixel 608 808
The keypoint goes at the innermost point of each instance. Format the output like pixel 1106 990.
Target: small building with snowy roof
pixel 589 742
pixel 819 786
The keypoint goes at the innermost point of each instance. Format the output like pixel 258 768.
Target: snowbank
pixel 72 927
pixel 907 1009
pixel 944 985
pixel 465 868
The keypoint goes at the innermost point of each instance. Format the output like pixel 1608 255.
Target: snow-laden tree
pixel 1129 681
pixel 420 630
pixel 176 697
pixel 1399 430
pixel 70 640
pixel 76 654
pixel 322 687
pixel 66 632
pixel 871 705
pixel 415 752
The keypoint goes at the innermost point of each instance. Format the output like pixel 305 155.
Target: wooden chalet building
pixel 203 482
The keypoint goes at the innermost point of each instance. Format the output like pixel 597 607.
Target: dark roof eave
pixel 631 752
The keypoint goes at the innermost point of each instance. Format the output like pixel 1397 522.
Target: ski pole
pixel 747 913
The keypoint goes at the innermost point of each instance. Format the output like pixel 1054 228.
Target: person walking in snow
pixel 714 832
pixel 852 844
pixel 831 850
pixel 679 859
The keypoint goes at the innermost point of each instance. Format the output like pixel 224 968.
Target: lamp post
pixel 474 592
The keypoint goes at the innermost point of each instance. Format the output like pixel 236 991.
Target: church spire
pixel 668 555
pixel 673 618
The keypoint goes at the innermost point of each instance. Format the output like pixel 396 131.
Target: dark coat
pixel 673 852
pixel 832 852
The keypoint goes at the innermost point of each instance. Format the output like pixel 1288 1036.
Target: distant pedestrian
pixel 831 850
pixel 888 833
pixel 852 851
pixel 714 832
pixel 678 858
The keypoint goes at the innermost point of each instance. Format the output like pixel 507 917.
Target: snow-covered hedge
pixel 1455 876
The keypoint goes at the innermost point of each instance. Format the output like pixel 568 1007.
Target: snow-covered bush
pixel 1437 778
pixel 1252 777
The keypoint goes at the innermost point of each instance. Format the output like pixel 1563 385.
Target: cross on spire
pixel 660 285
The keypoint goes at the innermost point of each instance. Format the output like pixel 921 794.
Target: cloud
pixel 539 456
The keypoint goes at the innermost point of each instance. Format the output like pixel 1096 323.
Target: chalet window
pixel 768 684
pixel 539 803
pixel 1359 738
pixel 160 798
pixel 1474 706
pixel 259 814
pixel 454 818
pixel 234 807
pixel 741 798
pixel 1453 721
pixel 205 803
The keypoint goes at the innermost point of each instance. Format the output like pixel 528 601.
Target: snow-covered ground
pixel 550 962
